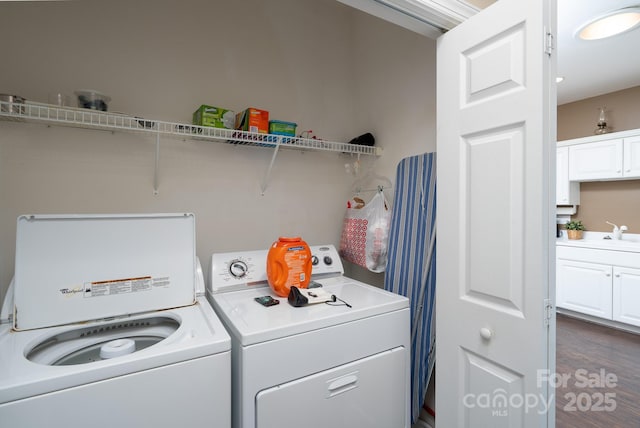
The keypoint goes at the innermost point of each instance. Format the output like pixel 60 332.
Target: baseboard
pixel 608 323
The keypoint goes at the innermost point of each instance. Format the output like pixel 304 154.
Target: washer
pixel 317 366
pixel 106 324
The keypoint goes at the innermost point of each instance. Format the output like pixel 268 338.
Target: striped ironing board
pixel 411 263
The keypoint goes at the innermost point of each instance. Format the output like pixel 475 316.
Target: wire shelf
pixel 94 119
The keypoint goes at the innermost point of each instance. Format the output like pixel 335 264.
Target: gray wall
pixel 315 62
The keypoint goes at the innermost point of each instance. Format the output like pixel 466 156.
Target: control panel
pixel 233 271
pixel 325 260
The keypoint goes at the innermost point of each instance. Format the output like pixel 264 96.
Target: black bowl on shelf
pixel 92 100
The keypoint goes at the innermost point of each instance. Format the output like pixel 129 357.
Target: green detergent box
pixel 279 127
pixel 214 116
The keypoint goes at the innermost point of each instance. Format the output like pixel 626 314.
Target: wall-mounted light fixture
pixel 615 22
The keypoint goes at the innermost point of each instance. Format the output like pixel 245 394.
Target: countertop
pixel 630 242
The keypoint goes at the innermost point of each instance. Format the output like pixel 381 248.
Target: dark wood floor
pixel 592 397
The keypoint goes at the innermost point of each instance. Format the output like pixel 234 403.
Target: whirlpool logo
pixel 71 291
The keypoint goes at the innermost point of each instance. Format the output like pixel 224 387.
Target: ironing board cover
pixel 411 263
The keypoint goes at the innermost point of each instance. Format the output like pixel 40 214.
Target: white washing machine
pixel 339 364
pixel 106 325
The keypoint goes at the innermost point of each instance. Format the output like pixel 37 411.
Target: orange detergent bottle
pixel 288 264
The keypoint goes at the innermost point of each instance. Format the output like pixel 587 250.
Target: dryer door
pixel 370 392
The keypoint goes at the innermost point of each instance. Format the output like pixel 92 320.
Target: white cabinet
pixel 632 157
pixel 600 283
pixel 626 295
pixel 584 287
pixel 596 161
pixel 567 192
pixel 611 159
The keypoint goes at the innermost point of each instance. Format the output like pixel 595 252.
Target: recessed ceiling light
pixel 559 79
pixel 613 23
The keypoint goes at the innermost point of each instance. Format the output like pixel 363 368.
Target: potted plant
pixel 574 229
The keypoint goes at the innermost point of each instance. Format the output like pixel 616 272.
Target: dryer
pixel 341 363
pixel 106 324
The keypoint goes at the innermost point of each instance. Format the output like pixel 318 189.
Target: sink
pixel 612 243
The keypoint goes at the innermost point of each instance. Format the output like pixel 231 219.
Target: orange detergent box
pixel 253 120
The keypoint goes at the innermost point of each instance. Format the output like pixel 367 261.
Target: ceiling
pixel 592 68
pixel 589 68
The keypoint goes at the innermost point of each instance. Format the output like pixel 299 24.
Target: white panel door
pixel 496 202
pixel 626 295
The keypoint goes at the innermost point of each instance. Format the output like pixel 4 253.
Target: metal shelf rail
pixel 94 119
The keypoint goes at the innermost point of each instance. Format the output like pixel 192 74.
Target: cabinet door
pixel 567 192
pixel 626 295
pixel 584 287
pixel 595 161
pixel 632 157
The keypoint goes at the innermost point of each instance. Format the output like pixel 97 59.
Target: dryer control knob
pixel 314 260
pixel 328 260
pixel 238 268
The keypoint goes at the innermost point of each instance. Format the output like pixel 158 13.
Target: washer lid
pixel 87 267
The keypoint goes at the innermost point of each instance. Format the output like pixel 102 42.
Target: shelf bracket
pixel 156 186
pixel 267 175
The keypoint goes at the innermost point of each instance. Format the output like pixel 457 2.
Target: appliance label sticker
pixel 123 286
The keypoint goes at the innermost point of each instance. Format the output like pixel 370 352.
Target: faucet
pixel 617 231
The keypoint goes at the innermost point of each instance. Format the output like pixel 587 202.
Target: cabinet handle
pixel 617 275
pixel 608 274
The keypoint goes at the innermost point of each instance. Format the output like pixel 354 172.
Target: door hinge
pixel 548 43
pixel 548 311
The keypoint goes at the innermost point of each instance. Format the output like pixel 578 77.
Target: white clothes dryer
pixel 340 363
pixel 106 325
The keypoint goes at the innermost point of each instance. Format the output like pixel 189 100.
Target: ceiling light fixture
pixel 613 23
pixel 559 79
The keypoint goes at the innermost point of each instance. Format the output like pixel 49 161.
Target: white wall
pixel 315 62
pixel 395 96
